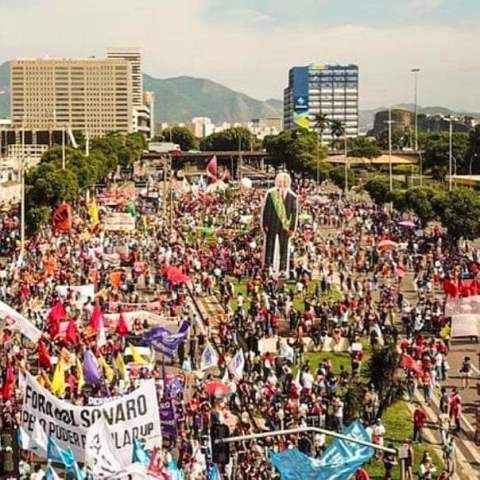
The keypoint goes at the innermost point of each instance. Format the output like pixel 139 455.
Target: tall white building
pixel 134 57
pixel 316 89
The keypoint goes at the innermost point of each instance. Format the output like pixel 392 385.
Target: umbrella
pixel 407 223
pixel 387 244
pixel 215 387
pixel 175 275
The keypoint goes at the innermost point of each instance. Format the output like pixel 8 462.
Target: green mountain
pixel 4 89
pixel 180 99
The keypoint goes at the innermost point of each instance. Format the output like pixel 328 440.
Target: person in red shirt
pixel 419 420
pixel 362 474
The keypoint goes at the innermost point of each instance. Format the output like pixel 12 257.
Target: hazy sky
pixel 249 45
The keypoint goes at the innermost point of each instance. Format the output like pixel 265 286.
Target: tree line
pixel 48 184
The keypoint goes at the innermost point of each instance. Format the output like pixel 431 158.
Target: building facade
pixel 316 89
pixel 134 57
pixel 91 95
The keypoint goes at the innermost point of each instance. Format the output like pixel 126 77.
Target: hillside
pixel 4 89
pixel 180 99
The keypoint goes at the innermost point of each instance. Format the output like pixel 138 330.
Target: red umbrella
pixel 387 244
pixel 215 387
pixel 175 275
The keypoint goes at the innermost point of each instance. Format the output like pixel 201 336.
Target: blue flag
pixel 173 470
pixel 214 472
pixel 339 462
pixel 139 454
pixel 164 341
pixel 59 455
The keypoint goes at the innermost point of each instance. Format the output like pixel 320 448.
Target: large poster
pixel 279 222
pixel 135 415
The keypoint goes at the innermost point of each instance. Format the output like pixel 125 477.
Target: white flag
pixel 237 364
pixel 51 474
pixel 100 457
pixel 209 358
pixel 101 335
pixel 23 324
pixel 39 438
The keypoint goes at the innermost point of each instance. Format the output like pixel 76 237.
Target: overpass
pixel 231 160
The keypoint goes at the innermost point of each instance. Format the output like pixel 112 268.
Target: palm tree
pixel 337 129
pixel 319 124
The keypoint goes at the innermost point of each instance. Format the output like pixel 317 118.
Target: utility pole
pixel 239 157
pixel 450 153
pixel 63 148
pixel 22 195
pixel 389 122
pixel 415 72
pixel 171 193
pixel 87 144
pixel 345 140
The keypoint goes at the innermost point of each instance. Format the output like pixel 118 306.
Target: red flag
pixel 156 468
pixel 122 327
pixel 212 168
pixel 44 356
pixel 62 218
pixel 409 363
pixel 96 318
pixel 57 312
pixel 71 333
pixel 8 383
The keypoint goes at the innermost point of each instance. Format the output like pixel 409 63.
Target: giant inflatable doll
pixel 279 222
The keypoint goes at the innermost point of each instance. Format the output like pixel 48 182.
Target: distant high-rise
pixel 322 89
pixel 134 56
pixel 87 94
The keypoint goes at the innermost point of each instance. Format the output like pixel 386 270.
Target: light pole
pixel 63 148
pixel 22 196
pixel 415 72
pixel 389 123
pixel 450 153
pixel 345 144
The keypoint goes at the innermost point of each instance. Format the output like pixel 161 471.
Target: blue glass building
pixel 328 89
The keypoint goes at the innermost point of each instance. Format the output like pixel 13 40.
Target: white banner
pixel 119 222
pixel 100 456
pixel 23 324
pixel 465 325
pixel 130 416
pixel 82 293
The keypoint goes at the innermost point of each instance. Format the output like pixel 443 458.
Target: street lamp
pixel 345 144
pixel 450 152
pixel 389 123
pixel 415 72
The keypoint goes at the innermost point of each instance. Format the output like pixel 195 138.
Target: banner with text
pixel 135 415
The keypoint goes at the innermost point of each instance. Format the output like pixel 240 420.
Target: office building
pixel 316 89
pixel 90 94
pixel 134 57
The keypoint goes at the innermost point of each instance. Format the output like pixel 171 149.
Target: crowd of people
pixel 343 297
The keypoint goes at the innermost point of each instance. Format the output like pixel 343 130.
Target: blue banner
pixel 339 462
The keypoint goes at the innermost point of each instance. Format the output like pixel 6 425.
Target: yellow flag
pixel 58 380
pixel 93 212
pixel 137 358
pixel 107 369
pixel 80 377
pixel 120 367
